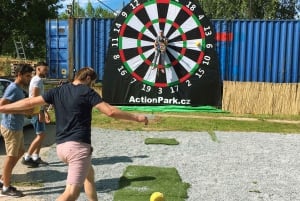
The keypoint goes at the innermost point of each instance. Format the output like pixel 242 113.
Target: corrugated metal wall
pixel 260 51
pixel 91 40
pixel 255 51
pixel 57 32
pixel 82 44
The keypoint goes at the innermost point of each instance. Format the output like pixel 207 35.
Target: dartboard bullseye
pixel 160 50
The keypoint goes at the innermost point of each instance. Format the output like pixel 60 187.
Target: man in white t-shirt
pixel 36 88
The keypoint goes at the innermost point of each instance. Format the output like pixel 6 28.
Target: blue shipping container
pixel 260 51
pixel 90 44
pixel 57 32
pixel 76 43
pixel 248 50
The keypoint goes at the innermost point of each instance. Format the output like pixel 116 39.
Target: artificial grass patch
pixel 139 182
pixel 165 141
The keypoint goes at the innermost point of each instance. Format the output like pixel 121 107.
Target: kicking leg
pixel 89 186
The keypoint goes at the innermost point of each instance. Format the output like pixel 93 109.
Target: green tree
pixel 249 9
pixel 288 8
pixel 9 13
pixel 76 11
pixel 25 20
pixel 79 11
pixel 90 11
pixel 102 13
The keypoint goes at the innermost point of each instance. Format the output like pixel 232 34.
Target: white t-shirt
pixel 36 82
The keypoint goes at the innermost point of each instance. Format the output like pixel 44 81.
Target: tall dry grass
pixel 261 98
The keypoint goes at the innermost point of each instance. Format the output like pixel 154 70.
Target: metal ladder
pixel 20 50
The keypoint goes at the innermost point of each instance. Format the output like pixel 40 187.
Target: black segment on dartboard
pixel 181 17
pixel 130 53
pixel 171 31
pixel 146 38
pixel 146 48
pixel 162 9
pixel 131 32
pixel 193 34
pixel 179 69
pixel 144 18
pixel 160 77
pixel 142 70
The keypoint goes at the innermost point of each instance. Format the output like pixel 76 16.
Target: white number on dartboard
pixel 146 88
pixel 122 70
pixel 134 4
pixel 174 89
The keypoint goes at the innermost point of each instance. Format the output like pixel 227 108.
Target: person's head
pixel 41 69
pixel 161 33
pixel 23 74
pixel 86 75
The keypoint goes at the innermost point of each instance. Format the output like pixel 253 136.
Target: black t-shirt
pixel 73 110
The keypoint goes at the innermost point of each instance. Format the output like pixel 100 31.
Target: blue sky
pixel 118 4
pixel 113 4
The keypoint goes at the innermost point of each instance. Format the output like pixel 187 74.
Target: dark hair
pixel 23 68
pixel 41 63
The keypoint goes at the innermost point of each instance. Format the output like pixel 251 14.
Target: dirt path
pixel 230 118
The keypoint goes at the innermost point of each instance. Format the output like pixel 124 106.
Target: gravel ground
pixel 228 167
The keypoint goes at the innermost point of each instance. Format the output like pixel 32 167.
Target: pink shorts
pixel 78 157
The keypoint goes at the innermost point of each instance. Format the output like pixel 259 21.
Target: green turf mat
pixel 165 141
pixel 172 108
pixel 139 182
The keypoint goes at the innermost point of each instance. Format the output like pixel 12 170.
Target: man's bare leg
pixel 71 193
pixel 9 163
pixel 89 186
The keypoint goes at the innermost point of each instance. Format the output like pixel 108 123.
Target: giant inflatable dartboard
pixel 188 74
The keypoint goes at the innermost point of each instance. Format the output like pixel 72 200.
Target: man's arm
pixel 115 112
pixel 35 92
pixel 21 105
pixel 43 114
pixel 4 101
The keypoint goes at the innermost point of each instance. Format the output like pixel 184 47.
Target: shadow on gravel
pixel 44 191
pixel 47 175
pixel 57 164
pixel 107 185
pixel 115 159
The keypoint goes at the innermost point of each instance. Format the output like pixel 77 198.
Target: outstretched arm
pixel 22 105
pixel 115 112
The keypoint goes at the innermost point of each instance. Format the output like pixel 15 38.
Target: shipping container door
pixel 57 48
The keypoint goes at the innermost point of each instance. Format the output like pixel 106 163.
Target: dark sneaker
pixel 41 162
pixel 13 192
pixel 30 163
pixel 1 186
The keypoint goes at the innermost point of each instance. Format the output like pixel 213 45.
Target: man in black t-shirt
pixel 73 103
